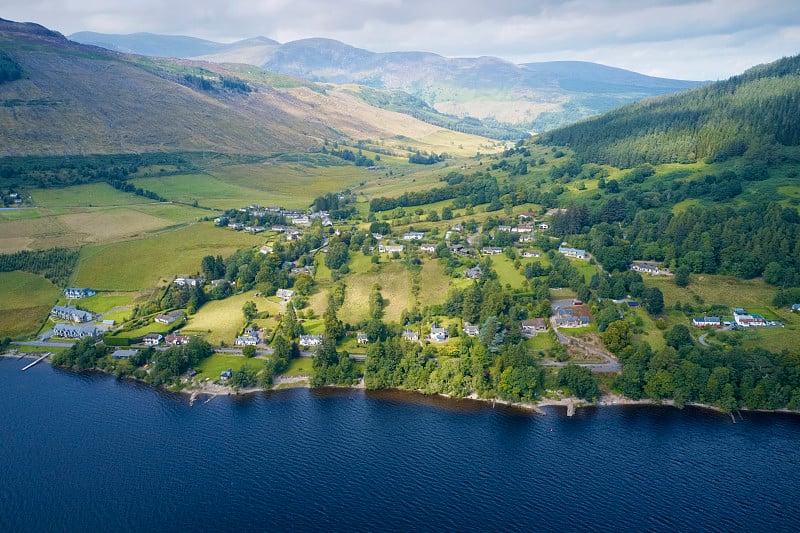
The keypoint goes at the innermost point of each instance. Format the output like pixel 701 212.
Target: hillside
pixel 749 115
pixel 62 97
pixel 536 96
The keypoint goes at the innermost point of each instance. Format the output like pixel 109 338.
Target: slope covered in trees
pixel 747 115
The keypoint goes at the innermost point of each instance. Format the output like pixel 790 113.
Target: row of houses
pixel 72 331
pixel 73 314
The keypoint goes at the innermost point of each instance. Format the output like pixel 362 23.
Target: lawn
pixel 723 290
pixel 105 302
pixel 506 273
pixel 433 283
pixel 146 263
pixel 300 366
pixel 221 321
pixel 212 366
pixel 395 282
pixel 26 302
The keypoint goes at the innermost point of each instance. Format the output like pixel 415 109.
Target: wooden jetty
pixel 37 361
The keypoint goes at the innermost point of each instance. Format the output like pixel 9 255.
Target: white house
pixel 73 293
pixel 413 236
pixel 152 339
pixel 438 334
pixel 428 248
pixel 391 248
pixel 410 335
pixel 747 320
pixel 706 321
pixel 310 340
pixel 647 267
pixel 531 328
pixel 361 338
pixel 572 252
pixel 471 329
pixel 284 294
pixel 187 282
pixel 246 340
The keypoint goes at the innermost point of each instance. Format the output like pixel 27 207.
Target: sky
pixel 681 39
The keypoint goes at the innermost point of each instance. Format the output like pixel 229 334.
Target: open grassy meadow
pixel 506 273
pixel 146 263
pixel 88 195
pixel 709 289
pixel 433 283
pixel 212 366
pixel 395 282
pixel 221 321
pixel 25 302
pixel 301 366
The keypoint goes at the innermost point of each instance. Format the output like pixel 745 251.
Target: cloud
pixel 690 39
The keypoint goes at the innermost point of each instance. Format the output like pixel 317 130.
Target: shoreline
pixel 212 390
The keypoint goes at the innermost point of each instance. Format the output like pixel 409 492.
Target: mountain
pixel 537 96
pixel 151 44
pixel 58 97
pixel 753 115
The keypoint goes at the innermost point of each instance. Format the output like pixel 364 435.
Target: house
pixel 225 375
pixel 473 273
pixel 503 228
pixel 236 225
pixel 187 282
pixel 531 328
pixel 526 237
pixel 527 215
pixel 361 338
pixel 438 334
pixel 411 335
pixel 391 248
pixel 246 340
pixel 523 229
pixel 177 340
pixel 746 320
pixel 73 293
pixel 413 236
pixel 571 321
pixel 69 331
pixel 796 308
pixel 266 249
pixel 529 253
pixel 73 314
pixel 169 318
pixel 572 252
pixel 284 294
pixel 543 226
pixel 471 329
pixel 152 339
pixel 123 354
pixel 489 250
pixel 428 248
pixel 310 340
pixel 647 267
pixel 705 321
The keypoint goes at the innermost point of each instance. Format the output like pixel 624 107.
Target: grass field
pixel 300 366
pixel 433 283
pixel 395 282
pixel 89 195
pixel 723 290
pixel 25 301
pixel 146 263
pixel 222 320
pixel 506 273
pixel 211 367
pixel 105 302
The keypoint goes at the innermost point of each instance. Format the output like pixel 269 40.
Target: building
pixel 73 314
pixel 532 327
pixel 490 250
pixel 187 282
pixel 647 267
pixel 152 339
pixel 543 226
pixel 169 318
pixel 523 229
pixel 572 252
pixel 266 249
pixel 796 307
pixel 529 253
pixel 284 294
pixel 246 340
pixel 746 320
pixel 124 354
pixel 361 338
pixel 473 273
pixel 413 236
pixel 571 321
pixel 706 321
pixel 225 375
pixel 438 334
pixel 177 340
pixel 391 248
pixel 310 340
pixel 70 331
pixel 73 293
pixel 471 329
pixel 428 248
pixel 411 335
pixel 504 228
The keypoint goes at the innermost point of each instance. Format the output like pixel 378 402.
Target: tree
pixel 337 255
pixel 617 336
pixel 250 311
pixel 290 326
pixel 579 380
pixel 333 326
pixel 653 300
pixel 678 336
pixel 249 351
pixel 682 276
pixel 447 213
pixel 376 302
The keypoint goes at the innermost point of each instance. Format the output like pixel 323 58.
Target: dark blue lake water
pixel 90 453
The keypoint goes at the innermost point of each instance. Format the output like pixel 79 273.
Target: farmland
pixel 26 302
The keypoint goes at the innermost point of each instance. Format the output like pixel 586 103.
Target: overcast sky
pixel 684 39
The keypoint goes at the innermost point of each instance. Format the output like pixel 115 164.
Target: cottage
pixel 413 236
pixel 527 215
pixel 523 229
pixel 69 331
pixel 543 226
pixel 473 273
pixel 531 328
pixel 123 354
pixel 529 253
pixel 411 335
pixel 571 321
pixel 706 321
pixel 284 294
pixel 504 228
pixel 310 340
pixel 427 248
pixel 246 340
pixel 471 329
pixel 438 334
pixel 187 282
pixel 73 293
pixel 73 314
pixel 572 252
pixel 490 250
pixel 266 249
pixel 746 320
pixel 177 340
pixel 169 318
pixel 647 267
pixel 526 237
pixel 391 248
pixel 361 338
pixel 152 339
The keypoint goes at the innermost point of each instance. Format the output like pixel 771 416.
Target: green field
pixel 395 282
pixel 433 283
pixel 211 367
pixel 146 263
pixel 506 273
pixel 221 321
pixel 301 366
pixel 723 290
pixel 26 300
pixel 89 195
pixel 105 302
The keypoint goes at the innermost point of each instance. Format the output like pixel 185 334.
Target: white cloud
pixel 691 39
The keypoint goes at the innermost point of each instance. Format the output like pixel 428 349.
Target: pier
pixel 37 361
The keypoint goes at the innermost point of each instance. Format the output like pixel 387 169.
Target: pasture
pixel 88 195
pixel 395 282
pixel 146 263
pixel 433 283
pixel 25 302
pixel 221 321
pixel 212 366
pixel 709 289
pixel 507 274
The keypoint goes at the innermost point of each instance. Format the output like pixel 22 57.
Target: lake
pixel 87 452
